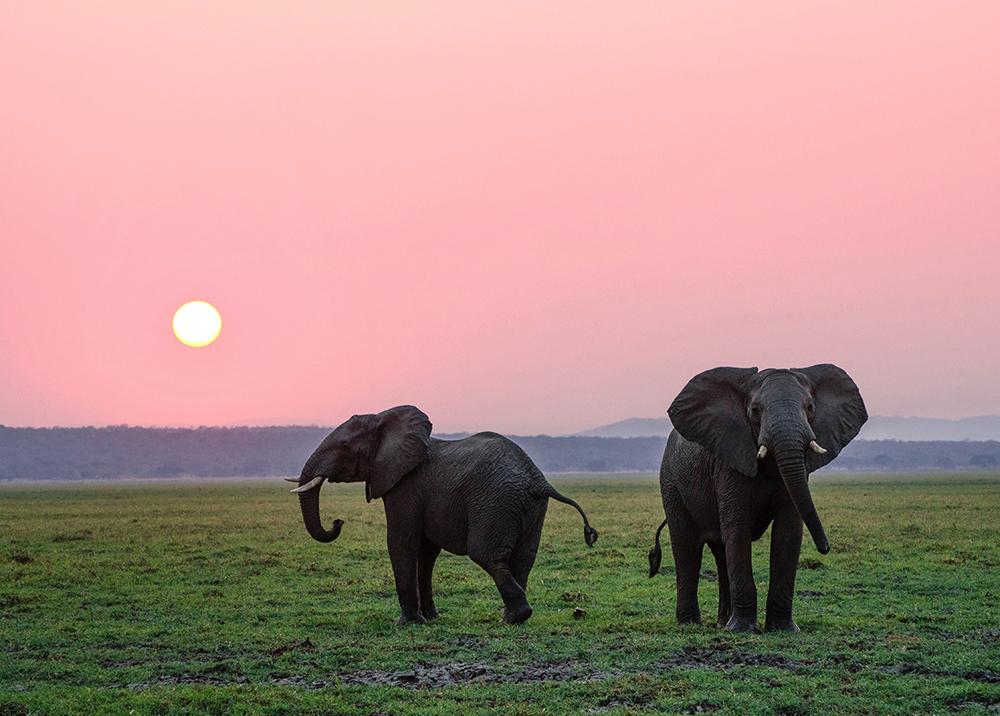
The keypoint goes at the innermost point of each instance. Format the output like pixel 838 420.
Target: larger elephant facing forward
pixel 738 460
pixel 481 496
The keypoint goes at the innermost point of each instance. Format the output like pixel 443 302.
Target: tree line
pixel 120 452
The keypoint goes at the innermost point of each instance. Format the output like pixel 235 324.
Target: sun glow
pixel 197 323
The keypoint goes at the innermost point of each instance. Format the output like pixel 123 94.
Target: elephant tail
pixel 656 554
pixel 589 533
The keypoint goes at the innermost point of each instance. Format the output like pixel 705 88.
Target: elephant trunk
pixel 309 502
pixel 790 456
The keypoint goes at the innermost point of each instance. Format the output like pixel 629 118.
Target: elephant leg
pixel 516 609
pixel 404 547
pixel 786 543
pixel 522 559
pixel 719 552
pixel 742 590
pixel 687 548
pixel 425 568
pixel 495 559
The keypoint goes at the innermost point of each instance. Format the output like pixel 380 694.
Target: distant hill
pixel 586 454
pixel 986 427
pixel 630 428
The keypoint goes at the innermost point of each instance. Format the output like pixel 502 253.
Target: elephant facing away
pixel 738 460
pixel 481 496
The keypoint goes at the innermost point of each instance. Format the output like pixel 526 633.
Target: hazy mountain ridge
pixel 630 428
pixel 982 428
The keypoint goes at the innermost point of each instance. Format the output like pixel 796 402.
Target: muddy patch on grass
pixel 436 675
pixel 422 675
pixel 430 675
pixel 983 677
pixel 20 603
pixel 721 657
pixel 306 646
pixel 190 679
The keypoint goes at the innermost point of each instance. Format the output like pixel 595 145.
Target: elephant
pixel 738 460
pixel 480 496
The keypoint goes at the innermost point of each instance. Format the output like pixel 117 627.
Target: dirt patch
pixel 983 677
pixel 721 657
pixel 435 674
pixel 10 708
pixel 277 651
pixel 61 537
pixel 423 675
pixel 432 675
pixel 467 641
pixel 196 679
pixel 18 602
pixel 613 702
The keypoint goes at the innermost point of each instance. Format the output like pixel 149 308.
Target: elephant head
pixel 375 449
pixel 802 417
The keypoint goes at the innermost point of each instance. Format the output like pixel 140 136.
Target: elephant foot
pixel 747 626
pixel 428 615
pixel 518 615
pixel 516 609
pixel 684 619
pixel 780 625
pixel 414 619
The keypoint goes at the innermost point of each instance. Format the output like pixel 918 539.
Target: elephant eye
pixel 755 412
pixel 811 409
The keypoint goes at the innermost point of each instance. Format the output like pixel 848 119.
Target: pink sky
pixel 528 217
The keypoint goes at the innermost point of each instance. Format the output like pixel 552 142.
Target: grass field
pixel 210 598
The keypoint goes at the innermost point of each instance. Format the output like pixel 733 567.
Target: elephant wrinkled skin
pixel 738 460
pixel 481 496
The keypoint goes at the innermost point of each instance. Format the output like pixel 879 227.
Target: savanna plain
pixel 209 597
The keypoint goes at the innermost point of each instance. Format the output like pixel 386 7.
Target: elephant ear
pixel 712 411
pixel 403 435
pixel 840 411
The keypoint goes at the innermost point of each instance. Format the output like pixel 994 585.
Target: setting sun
pixel 197 323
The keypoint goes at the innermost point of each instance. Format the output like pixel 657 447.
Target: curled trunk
pixel 309 502
pixel 792 465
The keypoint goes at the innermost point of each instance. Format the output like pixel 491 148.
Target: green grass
pixel 210 598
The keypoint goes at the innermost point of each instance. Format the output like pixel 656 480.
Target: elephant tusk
pixel 315 482
pixel 815 447
pixel 290 479
pixel 762 453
